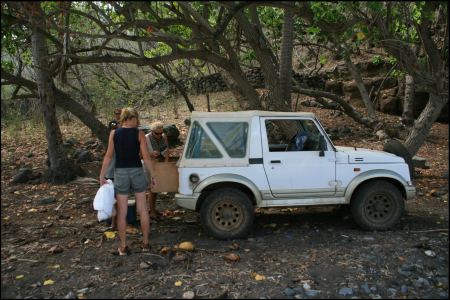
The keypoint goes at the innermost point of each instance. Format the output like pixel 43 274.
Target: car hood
pixel 364 156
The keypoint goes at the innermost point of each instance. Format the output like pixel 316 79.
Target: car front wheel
pixel 227 214
pixel 377 205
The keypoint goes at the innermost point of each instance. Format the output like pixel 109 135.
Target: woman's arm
pixel 149 164
pixel 108 157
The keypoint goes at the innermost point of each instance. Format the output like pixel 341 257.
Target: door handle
pixel 275 161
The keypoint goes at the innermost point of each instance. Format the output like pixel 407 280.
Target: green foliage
pixel 158 50
pixel 332 12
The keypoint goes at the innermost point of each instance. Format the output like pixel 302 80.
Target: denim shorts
pixel 127 178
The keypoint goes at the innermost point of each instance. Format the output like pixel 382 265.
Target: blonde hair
pixel 128 113
pixel 157 125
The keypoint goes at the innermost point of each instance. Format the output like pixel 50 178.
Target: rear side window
pixel 232 136
pixel 200 145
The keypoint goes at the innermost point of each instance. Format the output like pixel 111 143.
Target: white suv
pixel 236 161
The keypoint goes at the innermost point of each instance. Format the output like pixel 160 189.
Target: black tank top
pixel 126 145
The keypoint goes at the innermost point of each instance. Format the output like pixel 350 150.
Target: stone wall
pixel 336 80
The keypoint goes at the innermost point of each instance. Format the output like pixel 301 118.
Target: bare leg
pixel 122 209
pixel 141 205
pixel 114 218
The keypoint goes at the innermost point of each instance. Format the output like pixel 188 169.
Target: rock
pixel 306 286
pixel 188 295
pixel 70 295
pixel 298 296
pixel 391 291
pixel 404 289
pixel 298 290
pixel 289 292
pixel 421 282
pixel 365 288
pixel 144 265
pixel 55 249
pixel 72 141
pixel 346 291
pixel 404 272
pixel 381 135
pixel 23 175
pixel 48 200
pixel 312 293
pixel 420 162
pixel 430 253
pixel 84 156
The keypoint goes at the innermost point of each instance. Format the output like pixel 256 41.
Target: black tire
pixel 227 213
pixel 377 205
pixel 396 147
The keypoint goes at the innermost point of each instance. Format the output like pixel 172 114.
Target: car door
pixel 293 162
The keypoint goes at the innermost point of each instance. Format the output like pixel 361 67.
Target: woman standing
pixel 158 147
pixel 126 143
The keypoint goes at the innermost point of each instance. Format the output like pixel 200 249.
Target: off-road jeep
pixel 236 161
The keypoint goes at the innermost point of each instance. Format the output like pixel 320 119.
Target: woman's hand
pixel 102 181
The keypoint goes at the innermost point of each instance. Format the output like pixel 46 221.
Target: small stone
pixel 55 249
pixel 404 290
pixel 306 286
pixel 298 296
pixel 289 292
pixel 70 295
pixel 312 293
pixel 144 265
pixel 369 238
pixel 391 291
pixel 365 288
pixel 346 291
pixel 188 295
pixel 430 253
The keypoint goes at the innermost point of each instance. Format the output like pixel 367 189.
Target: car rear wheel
pixel 227 214
pixel 377 205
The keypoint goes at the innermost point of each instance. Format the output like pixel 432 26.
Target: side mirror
pixel 322 145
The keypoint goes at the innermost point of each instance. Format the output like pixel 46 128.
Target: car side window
pixel 200 145
pixel 232 136
pixel 292 135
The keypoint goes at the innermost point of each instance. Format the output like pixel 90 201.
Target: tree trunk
pixel 181 89
pixel 360 84
pixel 286 55
pixel 423 124
pixel 408 101
pixel 266 58
pixel 60 169
pixel 64 101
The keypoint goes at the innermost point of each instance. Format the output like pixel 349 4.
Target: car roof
pixel 249 114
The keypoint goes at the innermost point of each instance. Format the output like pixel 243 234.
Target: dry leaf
pixel 260 277
pixel 178 283
pixel 188 246
pixel 110 235
pixel 179 257
pixel 19 276
pixel 165 250
pixel 49 282
pixel 132 230
pixel 55 249
pixel 231 257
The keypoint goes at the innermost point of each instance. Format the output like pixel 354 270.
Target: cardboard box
pixel 166 176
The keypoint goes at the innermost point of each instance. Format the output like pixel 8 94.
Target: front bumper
pixel 189 202
pixel 410 192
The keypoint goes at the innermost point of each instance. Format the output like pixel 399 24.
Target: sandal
pixel 145 248
pixel 124 252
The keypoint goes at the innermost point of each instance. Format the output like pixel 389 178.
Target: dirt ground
pixel 53 247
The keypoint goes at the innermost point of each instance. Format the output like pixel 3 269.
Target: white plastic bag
pixel 104 201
